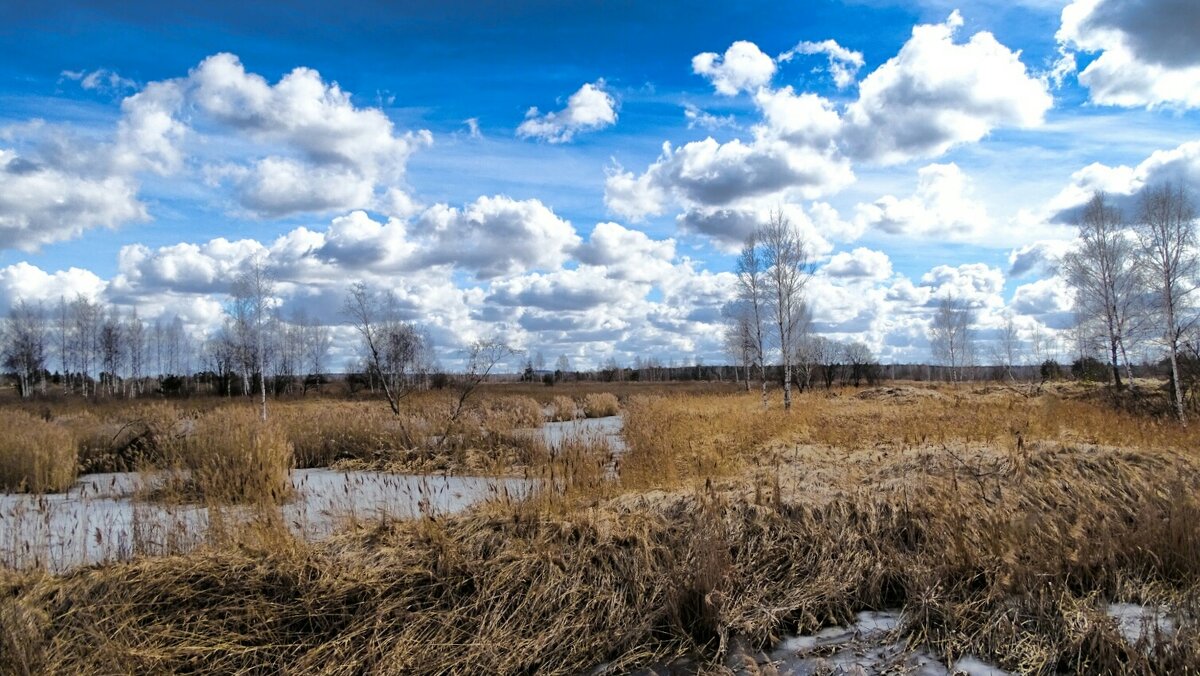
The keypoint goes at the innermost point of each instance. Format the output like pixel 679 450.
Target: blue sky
pixel 923 148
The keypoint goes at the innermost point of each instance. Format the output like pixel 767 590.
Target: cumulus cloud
pixel 861 263
pixel 699 119
pixel 843 63
pixel 322 139
pixel 41 204
pixel 729 227
pixel 1123 184
pixel 977 283
pixel 31 284
pixel 937 93
pixel 627 254
pixel 1048 300
pixel 588 109
pixel 1041 257
pixel 942 206
pixel 743 68
pixel 1146 50
pixel 496 236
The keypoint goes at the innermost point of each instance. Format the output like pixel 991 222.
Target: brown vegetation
pixel 35 456
pixel 1000 521
pixel 600 404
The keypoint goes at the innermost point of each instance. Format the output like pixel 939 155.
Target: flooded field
pixel 105 517
pixel 102 518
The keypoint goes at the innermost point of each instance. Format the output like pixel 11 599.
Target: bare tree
pixel 253 291
pixel 752 293
pixel 483 356
pixel 25 339
pixel 1104 275
pixel 739 338
pixel 392 348
pixel 785 257
pixel 135 345
pixel 951 338
pixel 112 351
pixel 1166 229
pixel 1008 347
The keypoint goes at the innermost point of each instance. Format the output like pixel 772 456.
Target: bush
pixel 35 456
pixel 1051 370
pixel 233 457
pixel 1089 369
pixel 562 408
pixel 600 404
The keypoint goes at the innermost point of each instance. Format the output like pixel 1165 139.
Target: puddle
pixel 97 520
pixel 606 429
pixel 1139 623
pixel 869 646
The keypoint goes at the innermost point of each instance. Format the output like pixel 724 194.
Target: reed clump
pixel 231 456
pixel 563 408
pixel 36 456
pixel 601 404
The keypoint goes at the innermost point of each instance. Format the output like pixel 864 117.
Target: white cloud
pixel 941 207
pixel 1041 257
pixel 314 134
pixel 495 236
pixel 977 283
pixel 1147 50
pixel 936 94
pixel 41 204
pixel 101 79
pixel 31 284
pixel 743 68
pixel 697 118
pixel 843 63
pixel 1176 166
pixel 861 263
pixel 588 109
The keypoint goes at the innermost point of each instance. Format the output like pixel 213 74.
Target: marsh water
pixel 101 518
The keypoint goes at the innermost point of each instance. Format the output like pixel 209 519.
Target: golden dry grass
pixel 231 456
pixel 563 408
pixel 35 456
pixel 600 404
pixel 999 521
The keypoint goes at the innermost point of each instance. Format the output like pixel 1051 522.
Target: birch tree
pixel 752 293
pixel 1166 229
pixel 253 292
pixel 785 257
pixel 951 337
pixel 1103 272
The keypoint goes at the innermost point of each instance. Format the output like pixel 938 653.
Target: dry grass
pixel 1001 523
pixel 35 456
pixel 563 408
pixel 600 404
pixel 231 456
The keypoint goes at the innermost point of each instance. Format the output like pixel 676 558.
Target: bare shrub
pixel 35 456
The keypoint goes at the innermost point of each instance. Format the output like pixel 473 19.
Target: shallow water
pixel 606 430
pixel 869 646
pixel 98 520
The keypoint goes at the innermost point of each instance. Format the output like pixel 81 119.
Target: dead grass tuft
pixel 600 404
pixel 35 456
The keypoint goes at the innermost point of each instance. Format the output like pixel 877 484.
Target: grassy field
pixel 1001 519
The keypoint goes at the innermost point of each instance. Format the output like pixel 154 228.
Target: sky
pixel 576 177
